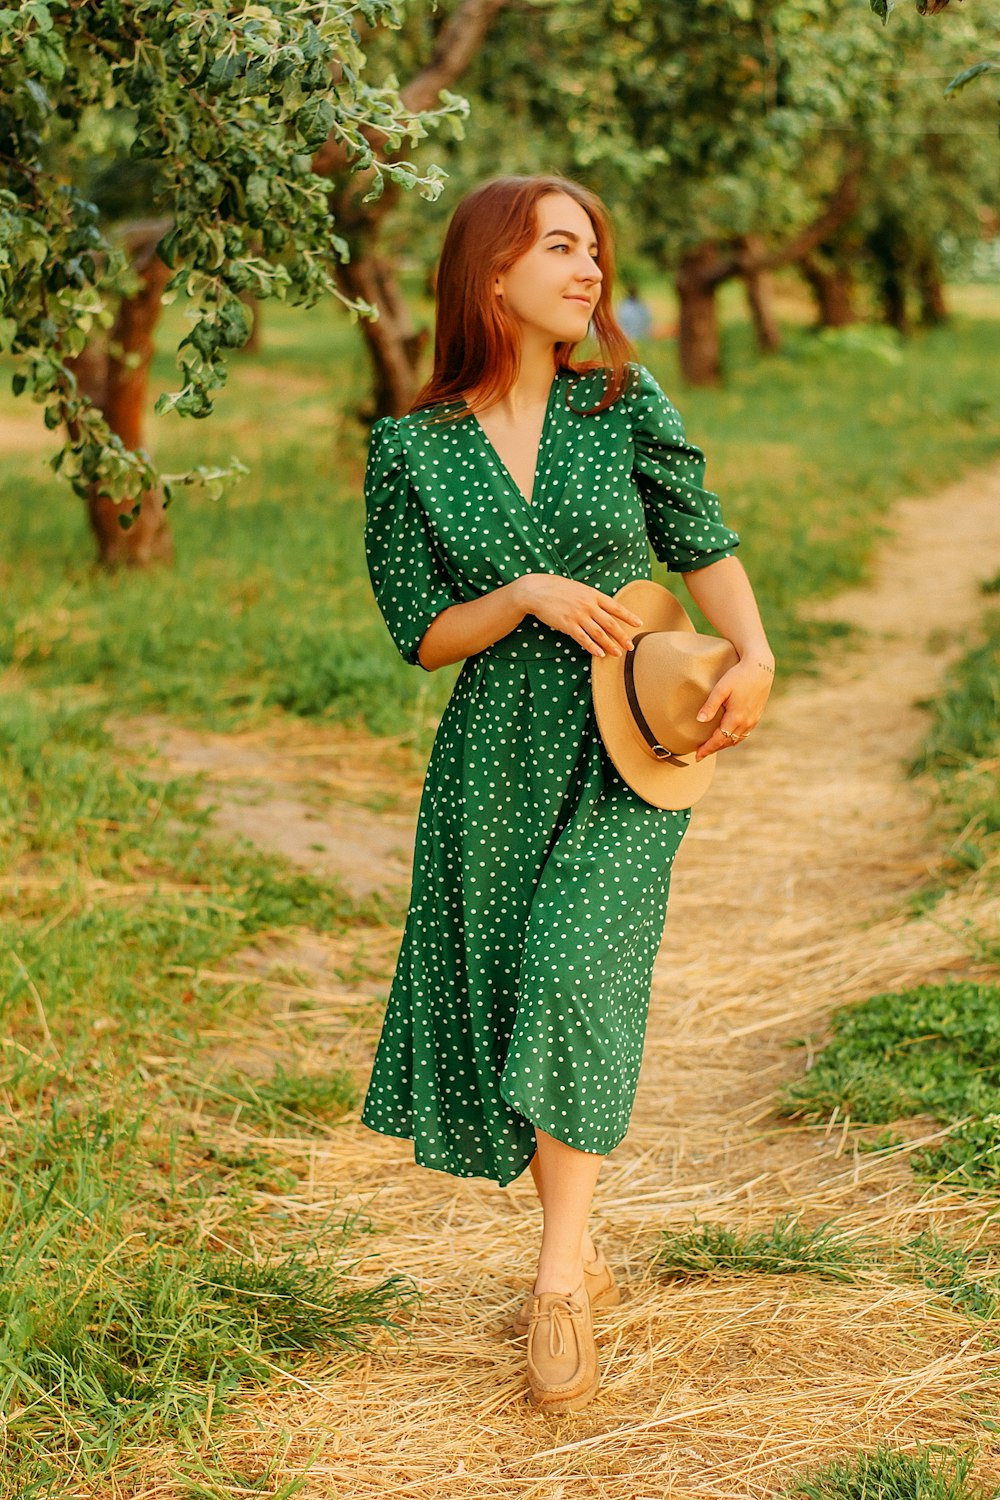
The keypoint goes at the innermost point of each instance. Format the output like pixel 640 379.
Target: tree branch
pixel 456 46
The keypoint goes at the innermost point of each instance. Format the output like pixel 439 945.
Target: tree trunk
pixel 394 345
pixel 759 293
pixel 930 286
pixel 833 288
pixel 892 290
pixel 117 382
pixel 698 344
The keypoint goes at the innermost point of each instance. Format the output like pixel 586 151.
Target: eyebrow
pixel 567 234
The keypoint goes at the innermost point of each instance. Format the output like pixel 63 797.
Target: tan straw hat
pixel 647 699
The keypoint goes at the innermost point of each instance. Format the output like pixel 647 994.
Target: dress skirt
pixel 540 885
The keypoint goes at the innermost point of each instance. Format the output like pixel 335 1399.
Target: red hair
pixel 476 344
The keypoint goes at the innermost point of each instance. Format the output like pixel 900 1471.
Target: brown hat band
pixel 660 751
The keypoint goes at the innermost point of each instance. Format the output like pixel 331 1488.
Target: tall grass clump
pixel 129 1310
pixel 784 1249
pixel 886 1474
pixel 152 1260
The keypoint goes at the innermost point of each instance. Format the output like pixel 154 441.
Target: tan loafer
pixel 562 1358
pixel 601 1289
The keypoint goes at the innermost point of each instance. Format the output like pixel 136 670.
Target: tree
pixel 225 108
pixel 365 274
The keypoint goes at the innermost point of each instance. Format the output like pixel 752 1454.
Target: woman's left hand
pixel 743 690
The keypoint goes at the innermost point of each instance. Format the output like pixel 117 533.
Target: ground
pixel 792 894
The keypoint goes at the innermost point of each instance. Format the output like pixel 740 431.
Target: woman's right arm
pixel 595 620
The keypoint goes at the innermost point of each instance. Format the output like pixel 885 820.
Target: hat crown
pixel 673 672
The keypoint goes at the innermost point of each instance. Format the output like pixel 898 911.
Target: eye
pixel 559 247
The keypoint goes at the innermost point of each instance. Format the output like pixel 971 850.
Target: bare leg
pixel 587 1247
pixel 568 1178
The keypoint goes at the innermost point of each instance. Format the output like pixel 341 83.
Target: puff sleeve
pixel 408 578
pixel 683 520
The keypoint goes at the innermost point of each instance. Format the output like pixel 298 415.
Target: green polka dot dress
pixel 540 879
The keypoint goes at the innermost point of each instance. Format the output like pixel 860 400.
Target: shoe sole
pixel 569 1403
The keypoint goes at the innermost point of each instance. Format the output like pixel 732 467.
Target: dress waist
pixel 533 641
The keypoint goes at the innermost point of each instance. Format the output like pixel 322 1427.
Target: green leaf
pixel 967 75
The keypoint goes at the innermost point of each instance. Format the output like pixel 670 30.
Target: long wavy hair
pixel 476 340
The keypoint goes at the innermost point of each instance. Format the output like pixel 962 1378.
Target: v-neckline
pixel 538 456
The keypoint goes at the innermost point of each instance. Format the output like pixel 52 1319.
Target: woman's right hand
pixel 597 621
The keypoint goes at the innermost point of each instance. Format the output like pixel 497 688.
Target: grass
pixel 269 606
pixel 962 752
pixel 966 1277
pixel 150 1266
pixel 933 1050
pixel 284 1098
pixel 886 1474
pixel 782 1250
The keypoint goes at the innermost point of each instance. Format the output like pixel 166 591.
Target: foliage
pixel 887 1474
pixel 783 1250
pixel 225 107
pixel 718 120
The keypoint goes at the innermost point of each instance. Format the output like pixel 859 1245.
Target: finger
pixel 615 631
pixel 716 698
pixel 579 634
pixel 712 746
pixel 613 607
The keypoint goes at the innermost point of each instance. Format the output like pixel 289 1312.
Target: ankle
pixel 563 1277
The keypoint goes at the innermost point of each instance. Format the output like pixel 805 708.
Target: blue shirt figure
pixel 634 317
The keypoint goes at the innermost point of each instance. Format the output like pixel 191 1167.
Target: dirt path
pixel 790 896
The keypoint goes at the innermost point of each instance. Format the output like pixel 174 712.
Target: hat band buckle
pixel 660 751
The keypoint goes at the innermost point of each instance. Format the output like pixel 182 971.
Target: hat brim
pixel 657 782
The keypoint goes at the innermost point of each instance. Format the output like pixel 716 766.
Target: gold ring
pixel 729 735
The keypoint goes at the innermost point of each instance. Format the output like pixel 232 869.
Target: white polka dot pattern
pixel 540 879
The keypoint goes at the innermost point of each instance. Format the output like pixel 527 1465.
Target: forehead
pixel 560 211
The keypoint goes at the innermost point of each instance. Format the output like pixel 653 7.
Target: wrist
pixel 519 593
pixel 758 654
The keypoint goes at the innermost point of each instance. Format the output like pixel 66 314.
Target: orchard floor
pixel 791 895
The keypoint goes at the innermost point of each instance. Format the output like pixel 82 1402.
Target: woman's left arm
pixel 723 594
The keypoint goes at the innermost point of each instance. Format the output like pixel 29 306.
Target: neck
pixel 534 378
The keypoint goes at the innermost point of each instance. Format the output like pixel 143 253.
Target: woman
pixel 504 512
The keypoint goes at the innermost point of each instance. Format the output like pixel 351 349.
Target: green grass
pixel 885 1474
pixel 933 1050
pixel 130 1306
pixel 148 1270
pixel 962 752
pixel 782 1250
pixel 967 1279
pixel 269 605
pixel 284 1099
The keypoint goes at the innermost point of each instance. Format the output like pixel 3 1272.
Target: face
pixel 553 288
